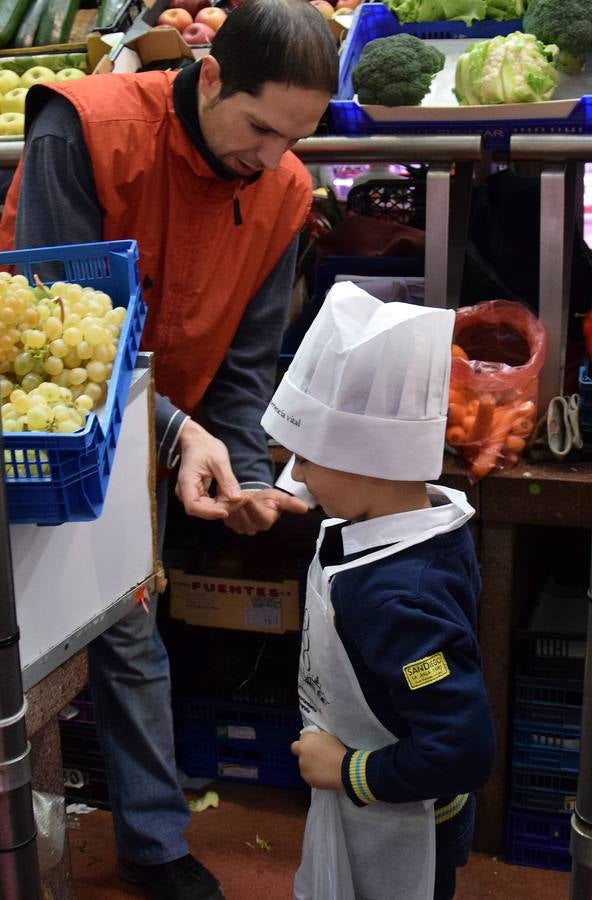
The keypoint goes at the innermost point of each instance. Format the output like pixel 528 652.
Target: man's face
pixel 248 134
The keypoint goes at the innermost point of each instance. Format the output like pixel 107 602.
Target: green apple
pixel 13 101
pixel 36 75
pixel 8 80
pixel 12 123
pixel 69 75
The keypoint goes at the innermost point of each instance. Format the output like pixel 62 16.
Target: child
pixel 389 668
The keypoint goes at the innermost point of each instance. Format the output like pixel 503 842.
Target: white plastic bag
pixel 324 872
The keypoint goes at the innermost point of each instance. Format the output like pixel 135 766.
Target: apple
pixel 13 101
pixel 36 75
pixel 347 4
pixel 12 123
pixel 192 6
pixel 69 75
pixel 176 18
pixel 9 80
pixel 212 16
pixel 198 33
pixel 324 7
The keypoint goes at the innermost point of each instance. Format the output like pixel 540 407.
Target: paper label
pixel 241 733
pixel 264 614
pixel 232 770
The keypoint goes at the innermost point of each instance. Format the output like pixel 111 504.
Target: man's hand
pixel 319 758
pixel 261 509
pixel 204 459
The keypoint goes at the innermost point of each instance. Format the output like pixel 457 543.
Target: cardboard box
pixel 158 43
pixel 268 606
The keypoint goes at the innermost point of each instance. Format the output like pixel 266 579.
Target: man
pixel 192 164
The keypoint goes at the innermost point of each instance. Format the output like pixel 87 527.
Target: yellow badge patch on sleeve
pixel 426 671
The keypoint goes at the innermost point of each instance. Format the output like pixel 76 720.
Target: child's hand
pixel 319 757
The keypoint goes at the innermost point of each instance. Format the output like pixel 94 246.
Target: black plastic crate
pixel 328 268
pixel 538 840
pixel 85 778
pixel 541 654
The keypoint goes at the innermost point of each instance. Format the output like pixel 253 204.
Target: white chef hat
pixel 367 391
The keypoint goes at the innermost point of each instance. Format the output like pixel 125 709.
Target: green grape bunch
pixel 57 346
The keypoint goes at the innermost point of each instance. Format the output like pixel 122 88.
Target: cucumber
pixel 56 22
pixel 109 11
pixel 25 35
pixel 11 13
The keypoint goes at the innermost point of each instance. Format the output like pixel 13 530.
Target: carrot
pixel 514 443
pixel 467 423
pixel 472 407
pixel 522 427
pixel 483 420
pixel 482 466
pixel 456 413
pixel 507 420
pixel 455 436
pixel 457 395
pixel 458 352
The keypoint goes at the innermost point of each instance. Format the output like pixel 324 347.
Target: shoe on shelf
pixel 181 879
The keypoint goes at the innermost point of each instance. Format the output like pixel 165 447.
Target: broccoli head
pixel 567 23
pixel 396 71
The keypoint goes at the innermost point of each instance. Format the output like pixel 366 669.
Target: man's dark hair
pixel 285 41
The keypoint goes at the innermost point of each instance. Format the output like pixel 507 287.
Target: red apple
pixel 212 16
pixel 324 7
pixel 177 18
pixel 192 6
pixel 198 33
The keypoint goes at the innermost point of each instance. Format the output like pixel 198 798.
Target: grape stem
pixel 58 300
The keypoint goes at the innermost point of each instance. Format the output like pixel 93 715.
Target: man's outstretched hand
pixel 205 459
pixel 261 509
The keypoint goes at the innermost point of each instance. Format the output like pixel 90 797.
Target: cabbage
pixel 438 10
pixel 466 11
pixel 512 69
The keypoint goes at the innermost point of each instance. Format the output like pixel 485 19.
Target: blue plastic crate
pixel 236 741
pixel 374 20
pixel 548 702
pixel 538 840
pixel 544 747
pixel 585 389
pixel 543 791
pixel 79 463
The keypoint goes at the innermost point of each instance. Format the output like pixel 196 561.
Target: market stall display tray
pixel 569 112
pixel 54 478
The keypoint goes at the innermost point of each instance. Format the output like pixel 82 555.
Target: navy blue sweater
pixel 397 611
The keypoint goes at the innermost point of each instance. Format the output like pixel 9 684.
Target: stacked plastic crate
pixel 84 768
pixel 546 738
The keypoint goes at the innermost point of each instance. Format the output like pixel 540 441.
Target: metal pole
pixel 556 243
pixel 581 821
pixel 19 866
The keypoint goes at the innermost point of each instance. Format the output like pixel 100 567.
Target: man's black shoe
pixel 181 879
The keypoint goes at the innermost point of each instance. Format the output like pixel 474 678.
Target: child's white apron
pixel 391 847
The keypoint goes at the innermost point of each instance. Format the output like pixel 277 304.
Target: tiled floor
pixel 225 840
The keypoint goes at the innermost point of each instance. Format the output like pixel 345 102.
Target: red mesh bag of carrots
pixel 498 352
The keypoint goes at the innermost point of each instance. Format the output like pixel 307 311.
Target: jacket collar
pixel 185 105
